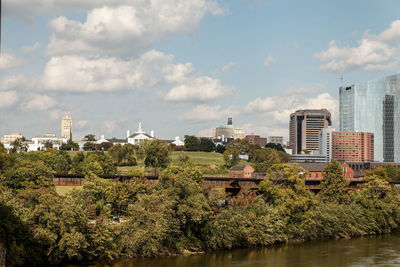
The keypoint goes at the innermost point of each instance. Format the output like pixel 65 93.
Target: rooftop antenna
pixel 341 79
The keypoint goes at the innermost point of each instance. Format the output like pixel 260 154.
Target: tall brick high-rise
pixel 304 128
pixel 353 146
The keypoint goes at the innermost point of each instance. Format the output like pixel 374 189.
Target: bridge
pixel 228 183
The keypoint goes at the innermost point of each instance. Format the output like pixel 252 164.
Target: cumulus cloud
pixel 30 48
pixel 275 111
pixel 372 52
pixel 128 29
pixel 10 61
pixel 224 68
pixel 37 102
pixel 202 113
pixel 103 73
pixel 198 89
pixel 8 98
pixel 269 61
pixel 392 33
pixel 304 90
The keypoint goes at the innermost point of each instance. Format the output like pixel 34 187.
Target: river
pixel 381 250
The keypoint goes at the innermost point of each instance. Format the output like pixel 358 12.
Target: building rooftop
pixel 238 167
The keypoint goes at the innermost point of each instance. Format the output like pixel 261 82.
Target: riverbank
pixel 379 250
pixel 178 216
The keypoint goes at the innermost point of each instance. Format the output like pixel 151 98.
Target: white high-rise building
pixel 66 127
pixel 325 143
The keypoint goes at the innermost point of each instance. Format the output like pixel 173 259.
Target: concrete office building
pixel 373 107
pixel 278 140
pixel 304 129
pixel 353 146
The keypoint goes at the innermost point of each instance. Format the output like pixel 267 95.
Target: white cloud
pixel 30 48
pixel 128 29
pixel 8 98
pixel 37 102
pixel 224 68
pixel 304 90
pixel 104 74
pixel 10 61
pixel 269 61
pixel 372 52
pixel 198 89
pixel 369 54
pixel 275 111
pixel 393 33
pixel 202 113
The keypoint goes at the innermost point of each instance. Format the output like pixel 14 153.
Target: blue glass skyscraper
pixel 373 106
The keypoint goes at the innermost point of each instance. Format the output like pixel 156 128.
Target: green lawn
pixel 62 190
pixel 199 158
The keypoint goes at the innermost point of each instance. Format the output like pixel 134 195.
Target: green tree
pixel 334 187
pixel 157 154
pixel 206 145
pixel 233 150
pixel 220 149
pixel 57 161
pixel 70 146
pixel 98 163
pixel 90 137
pixel 89 146
pixel 27 174
pixel 18 146
pixel 105 146
pixel 275 146
pixel 192 143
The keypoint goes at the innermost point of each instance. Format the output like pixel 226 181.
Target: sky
pixel 183 67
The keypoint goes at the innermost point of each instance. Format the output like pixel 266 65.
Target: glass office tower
pixel 373 106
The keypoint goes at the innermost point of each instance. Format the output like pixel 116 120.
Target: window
pixel 316 175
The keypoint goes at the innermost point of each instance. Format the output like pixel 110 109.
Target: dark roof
pixel 238 167
pixel 116 140
pixel 312 166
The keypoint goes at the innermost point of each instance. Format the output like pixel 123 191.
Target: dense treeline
pixel 105 220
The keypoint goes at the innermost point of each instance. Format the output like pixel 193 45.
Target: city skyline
pixel 188 76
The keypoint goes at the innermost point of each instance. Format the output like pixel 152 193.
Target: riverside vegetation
pixel 177 215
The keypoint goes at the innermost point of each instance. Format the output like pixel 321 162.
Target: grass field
pixel 62 190
pixel 199 158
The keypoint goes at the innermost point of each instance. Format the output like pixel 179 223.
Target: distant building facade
pixel 373 106
pixel 304 128
pixel 278 140
pixel 353 146
pixel 140 136
pixel 241 171
pixel 9 138
pixel 308 158
pixel 256 140
pixel 39 142
pixel 325 143
pixel 66 127
pixel 228 131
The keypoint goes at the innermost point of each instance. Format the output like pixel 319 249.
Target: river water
pixel 366 251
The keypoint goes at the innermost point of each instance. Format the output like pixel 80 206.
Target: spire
pixel 140 128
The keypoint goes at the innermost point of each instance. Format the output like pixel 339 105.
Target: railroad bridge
pixel 228 183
